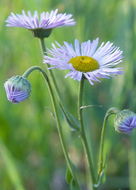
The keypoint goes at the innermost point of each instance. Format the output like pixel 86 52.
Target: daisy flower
pixel 125 121
pixel 86 59
pixel 40 23
pixel 17 89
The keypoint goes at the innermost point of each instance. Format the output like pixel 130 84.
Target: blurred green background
pixel 30 154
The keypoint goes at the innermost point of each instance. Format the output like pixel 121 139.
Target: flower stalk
pixel 59 127
pixel 101 163
pixel 43 47
pixel 83 135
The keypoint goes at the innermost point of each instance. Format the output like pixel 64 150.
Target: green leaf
pixel 70 180
pixel 71 120
pixel 74 185
pixel 100 179
pixel 68 176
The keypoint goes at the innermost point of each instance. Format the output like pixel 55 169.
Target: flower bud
pixel 17 89
pixel 125 121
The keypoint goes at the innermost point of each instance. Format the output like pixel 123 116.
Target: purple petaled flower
pixel 125 121
pixel 40 24
pixel 17 89
pixel 86 59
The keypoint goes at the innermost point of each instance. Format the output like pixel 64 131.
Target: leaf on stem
pixel 70 180
pixel 68 176
pixel 100 178
pixel 71 120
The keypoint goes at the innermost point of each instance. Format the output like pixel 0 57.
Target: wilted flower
pixel 125 121
pixel 17 89
pixel 41 24
pixel 86 59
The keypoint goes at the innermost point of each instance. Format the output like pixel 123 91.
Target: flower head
pixel 17 89
pixel 86 59
pixel 40 24
pixel 125 121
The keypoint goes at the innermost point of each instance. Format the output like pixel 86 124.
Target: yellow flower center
pixel 84 63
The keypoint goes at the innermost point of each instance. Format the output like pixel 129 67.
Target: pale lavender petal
pixel 45 20
pixel 128 124
pixel 77 48
pixel 93 47
pixel 76 75
pixel 107 56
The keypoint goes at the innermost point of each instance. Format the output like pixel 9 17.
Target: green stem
pixel 59 127
pixel 83 135
pixel 101 151
pixel 43 46
pixel 49 70
pixel 101 163
pixel 31 69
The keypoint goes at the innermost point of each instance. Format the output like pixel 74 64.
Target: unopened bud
pixel 17 89
pixel 125 121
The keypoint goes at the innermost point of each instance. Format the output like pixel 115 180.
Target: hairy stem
pixel 101 163
pixel 83 134
pixel 59 127
pixel 49 70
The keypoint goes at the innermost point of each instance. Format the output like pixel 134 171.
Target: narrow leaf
pixel 71 120
pixel 73 185
pixel 68 176
pixel 70 180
